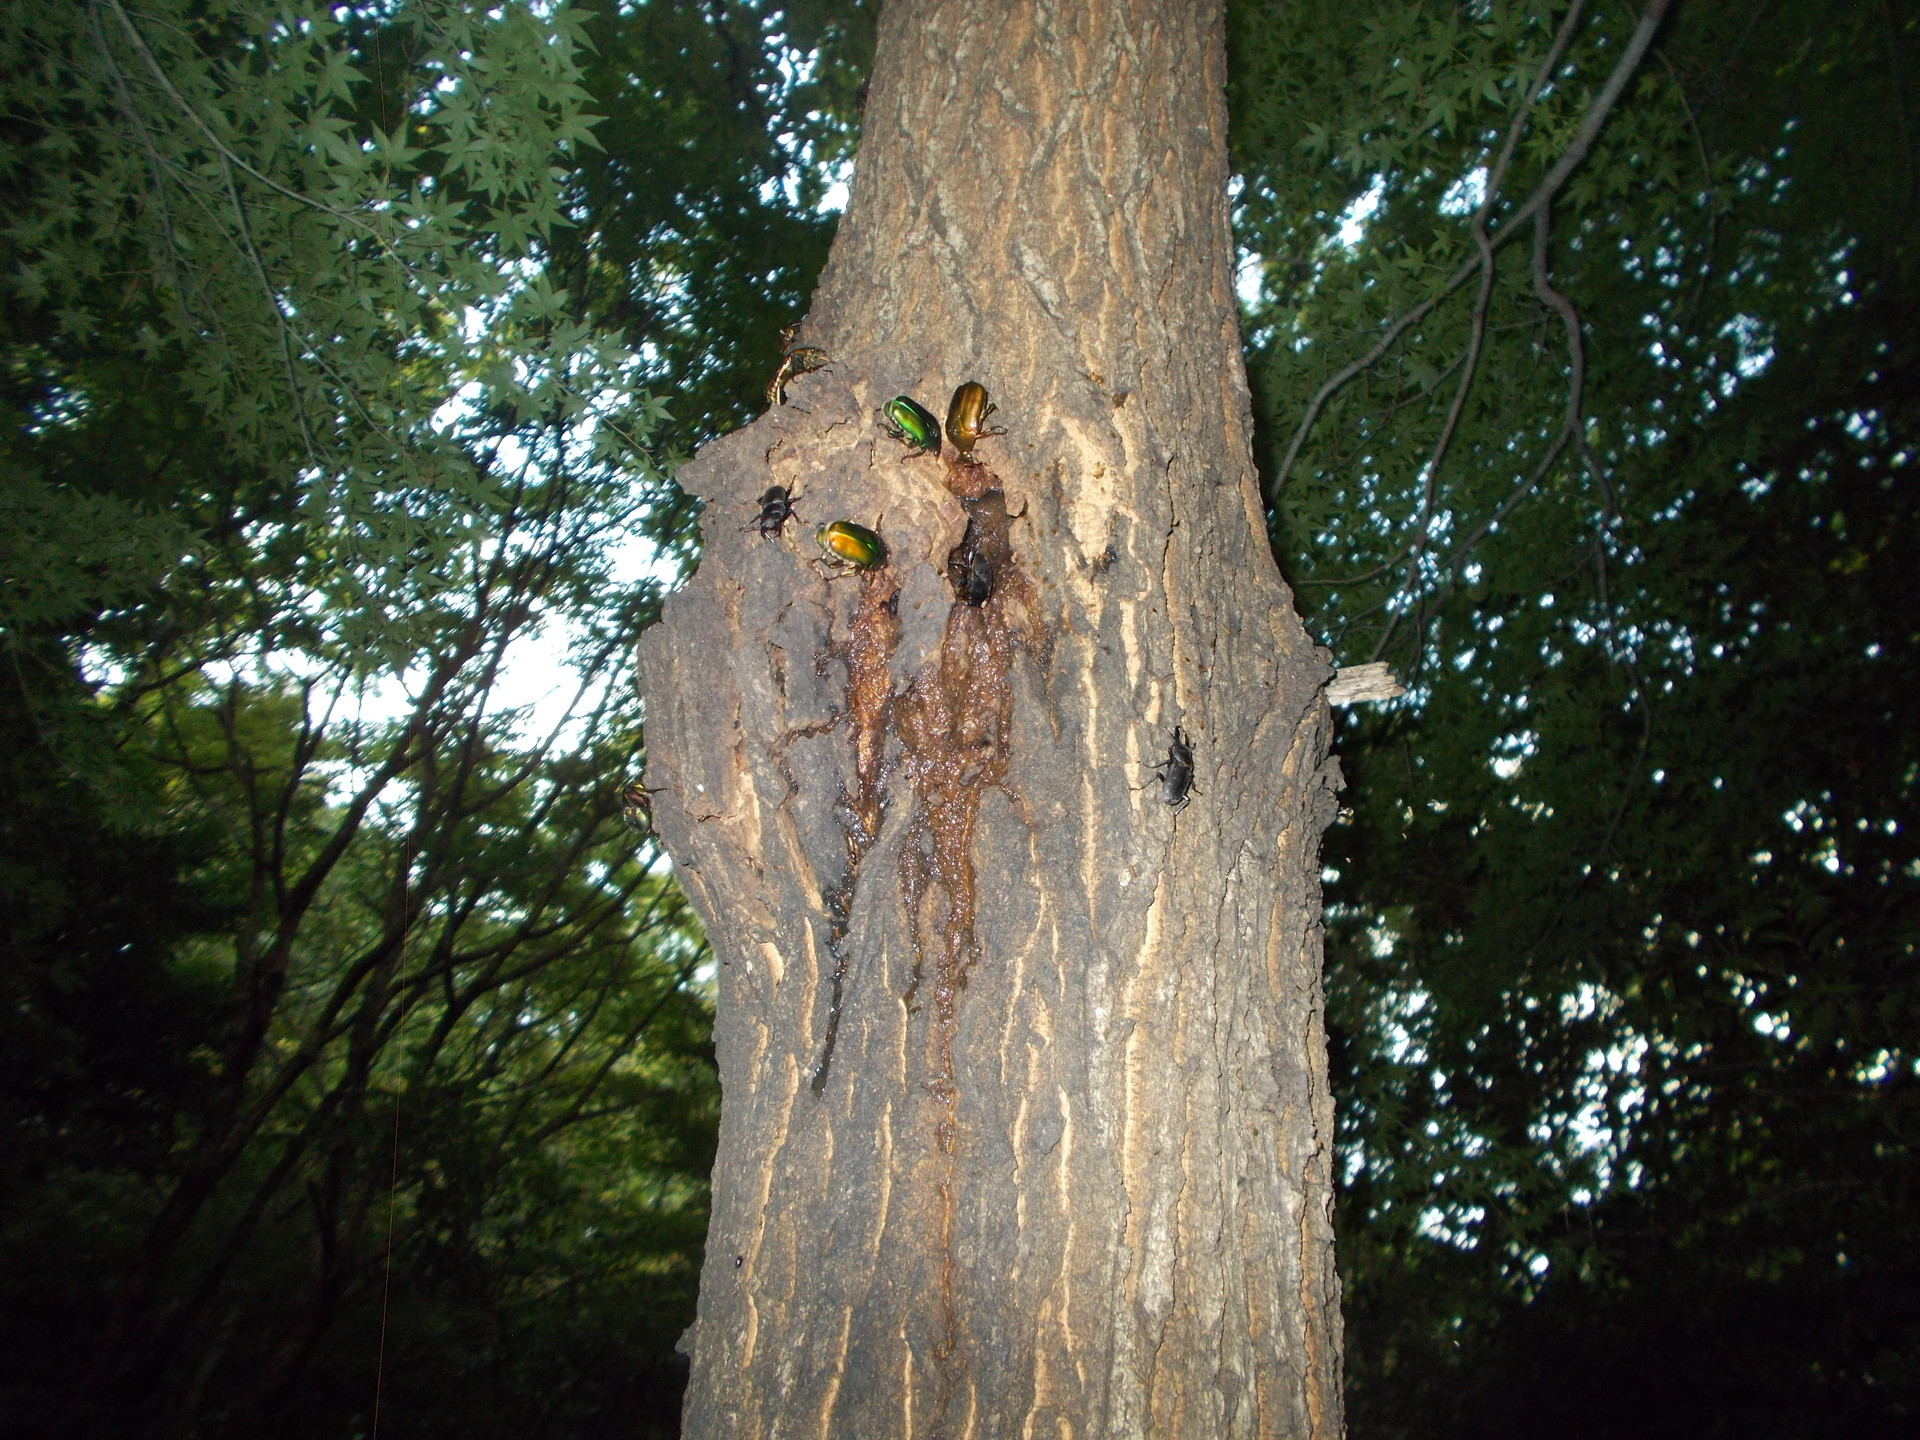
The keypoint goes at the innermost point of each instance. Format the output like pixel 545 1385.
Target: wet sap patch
pixel 946 732
pixel 952 723
pixel 874 633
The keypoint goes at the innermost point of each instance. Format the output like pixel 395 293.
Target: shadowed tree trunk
pixel 1026 1128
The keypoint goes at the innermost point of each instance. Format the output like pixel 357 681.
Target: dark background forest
pixel 354 1059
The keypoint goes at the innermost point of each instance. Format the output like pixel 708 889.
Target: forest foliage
pixel 356 1054
pixel 1622 916
pixel 353 1053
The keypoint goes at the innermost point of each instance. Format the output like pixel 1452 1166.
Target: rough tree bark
pixel 1026 1127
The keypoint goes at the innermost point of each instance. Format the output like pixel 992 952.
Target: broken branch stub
pixel 1364 684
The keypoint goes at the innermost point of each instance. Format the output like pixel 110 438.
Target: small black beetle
pixel 1176 772
pixel 969 568
pixel 776 508
pixel 976 583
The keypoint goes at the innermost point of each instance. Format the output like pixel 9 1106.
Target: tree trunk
pixel 1026 1127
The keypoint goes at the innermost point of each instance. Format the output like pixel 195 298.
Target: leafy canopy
pixel 1621 918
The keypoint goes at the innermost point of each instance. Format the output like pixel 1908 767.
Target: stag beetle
pixel 776 508
pixel 1176 772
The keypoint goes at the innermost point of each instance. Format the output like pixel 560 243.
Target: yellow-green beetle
pixel 967 416
pixel 912 424
pixel 850 546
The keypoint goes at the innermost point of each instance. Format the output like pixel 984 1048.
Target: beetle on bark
pixel 912 424
pixel 851 547
pixel 967 416
pixel 969 570
pixel 803 361
pixel 1176 772
pixel 776 508
pixel 636 808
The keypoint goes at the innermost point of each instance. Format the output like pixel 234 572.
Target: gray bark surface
pixel 1026 1128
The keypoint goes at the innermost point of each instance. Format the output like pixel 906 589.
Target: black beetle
pixel 1176 772
pixel 969 570
pixel 976 580
pixel 776 508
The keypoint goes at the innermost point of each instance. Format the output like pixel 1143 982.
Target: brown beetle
pixel 967 416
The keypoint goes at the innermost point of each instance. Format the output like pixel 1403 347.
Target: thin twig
pixel 1430 485
pixel 1543 194
pixel 1483 243
pixel 1497 175
pixel 1571 426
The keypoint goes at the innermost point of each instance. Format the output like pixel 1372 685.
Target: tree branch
pixel 1543 195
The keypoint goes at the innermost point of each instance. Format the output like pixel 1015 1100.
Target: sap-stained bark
pixel 1065 1169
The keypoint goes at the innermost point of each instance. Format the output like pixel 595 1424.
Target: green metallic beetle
pixel 967 416
pixel 912 424
pixel 636 808
pixel 850 546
